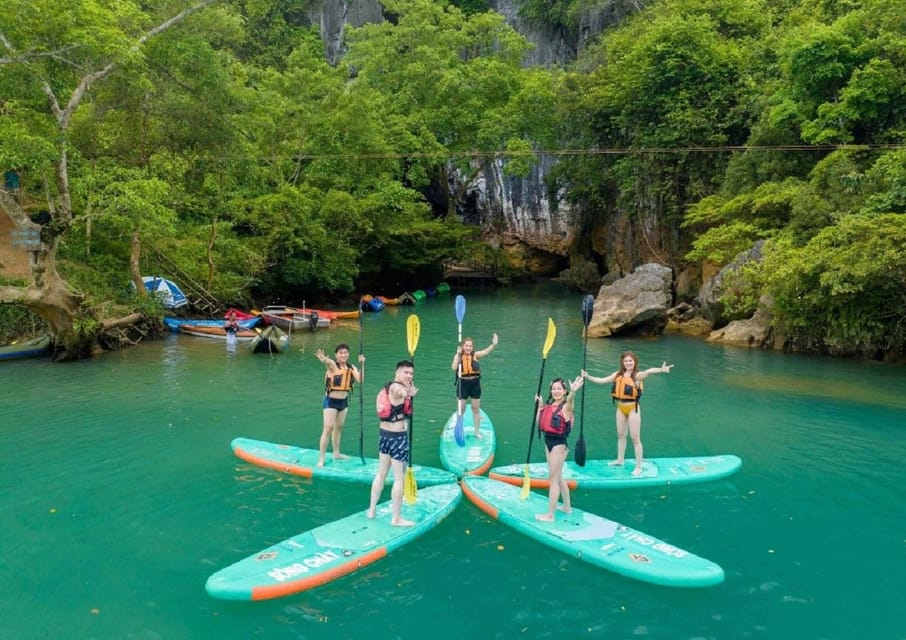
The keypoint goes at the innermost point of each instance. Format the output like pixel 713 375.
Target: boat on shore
pixel 173 323
pixel 34 348
pixel 293 319
pixel 216 332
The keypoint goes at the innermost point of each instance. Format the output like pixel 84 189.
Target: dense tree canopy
pixel 216 135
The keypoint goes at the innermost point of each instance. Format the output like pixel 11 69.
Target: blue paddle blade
pixel 460 309
pixel 459 432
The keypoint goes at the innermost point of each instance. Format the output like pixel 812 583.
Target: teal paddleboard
pixel 330 551
pixel 477 455
pixel 303 462
pixel 596 540
pixel 598 474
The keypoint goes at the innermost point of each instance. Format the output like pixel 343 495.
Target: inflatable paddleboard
pixel 476 457
pixel 596 540
pixel 303 462
pixel 598 474
pixel 330 551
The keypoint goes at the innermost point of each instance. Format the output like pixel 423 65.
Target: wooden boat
pixel 216 332
pixel 292 319
pixel 173 323
pixel 33 348
pixel 271 339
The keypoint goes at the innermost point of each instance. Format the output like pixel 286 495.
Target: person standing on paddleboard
pixel 339 379
pixel 468 377
pixel 394 406
pixel 555 421
pixel 626 393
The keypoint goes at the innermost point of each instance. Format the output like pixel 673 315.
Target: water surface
pixel 119 494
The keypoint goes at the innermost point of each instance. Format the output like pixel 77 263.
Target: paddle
pixel 548 343
pixel 458 431
pixel 410 488
pixel 361 388
pixel 588 307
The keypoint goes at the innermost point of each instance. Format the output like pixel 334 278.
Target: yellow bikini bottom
pixel 626 407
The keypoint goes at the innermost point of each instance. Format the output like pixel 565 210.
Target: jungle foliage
pixel 228 144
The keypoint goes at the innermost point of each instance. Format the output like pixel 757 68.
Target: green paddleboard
pixel 303 462
pixel 330 551
pixel 477 455
pixel 596 540
pixel 598 474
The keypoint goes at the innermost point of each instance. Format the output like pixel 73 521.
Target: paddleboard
pixel 476 456
pixel 596 540
pixel 598 474
pixel 303 462
pixel 330 551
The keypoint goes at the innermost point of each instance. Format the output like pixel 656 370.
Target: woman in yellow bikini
pixel 626 392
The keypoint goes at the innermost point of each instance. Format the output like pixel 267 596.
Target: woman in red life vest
pixel 468 377
pixel 626 392
pixel 555 421
pixel 339 379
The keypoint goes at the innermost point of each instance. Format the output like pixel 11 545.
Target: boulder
pixel 635 304
pixel 754 332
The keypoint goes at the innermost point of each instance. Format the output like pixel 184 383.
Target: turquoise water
pixel 119 494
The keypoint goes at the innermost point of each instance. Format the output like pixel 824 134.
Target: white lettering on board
pixel 297 568
pixel 656 545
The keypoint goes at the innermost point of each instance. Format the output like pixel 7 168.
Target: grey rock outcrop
pixel 709 295
pixel 636 303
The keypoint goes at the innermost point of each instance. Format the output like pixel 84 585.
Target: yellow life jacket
pixel 342 381
pixel 626 389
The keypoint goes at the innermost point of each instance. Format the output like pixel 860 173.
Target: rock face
pixel 634 304
pixel 709 295
pixel 517 213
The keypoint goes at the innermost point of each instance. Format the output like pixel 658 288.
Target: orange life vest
pixel 626 389
pixel 342 381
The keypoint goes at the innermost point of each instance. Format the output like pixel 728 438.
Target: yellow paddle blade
pixel 526 483
pixel 413 330
pixel 410 488
pixel 548 343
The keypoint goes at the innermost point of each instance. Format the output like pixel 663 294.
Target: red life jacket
pixel 388 412
pixel 553 422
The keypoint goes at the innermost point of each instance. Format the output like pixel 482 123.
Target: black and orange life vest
pixel 552 421
pixel 342 381
pixel 468 366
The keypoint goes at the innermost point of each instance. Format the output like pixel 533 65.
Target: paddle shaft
pixel 528 456
pixel 362 385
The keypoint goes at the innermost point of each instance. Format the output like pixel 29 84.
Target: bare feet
pixel 615 463
pixel 637 472
pixel 544 517
pixel 320 463
pixel 565 509
pixel 478 435
pixel 402 522
pixel 370 514
pixel 340 456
